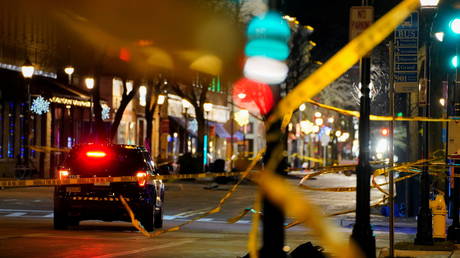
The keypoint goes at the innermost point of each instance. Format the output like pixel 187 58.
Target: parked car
pixel 74 203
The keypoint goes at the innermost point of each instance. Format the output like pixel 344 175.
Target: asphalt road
pixel 26 228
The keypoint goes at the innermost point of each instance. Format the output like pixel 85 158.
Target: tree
pixel 155 88
pixel 196 94
pixel 126 97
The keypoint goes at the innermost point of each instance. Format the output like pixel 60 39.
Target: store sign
pixel 72 102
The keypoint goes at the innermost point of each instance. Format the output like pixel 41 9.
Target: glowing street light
pixel 317 114
pixel 302 107
pixel 89 83
pixel 319 121
pixel 69 70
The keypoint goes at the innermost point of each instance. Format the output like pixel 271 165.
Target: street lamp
pixel 424 234
pixel 242 118
pixel 89 82
pixel 186 105
pixel 27 71
pixel 69 71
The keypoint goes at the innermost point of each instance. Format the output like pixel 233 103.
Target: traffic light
pixel 267 48
pixel 454 25
pixel 454 61
pixel 384 132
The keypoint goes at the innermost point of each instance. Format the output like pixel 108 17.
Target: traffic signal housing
pixel 384 132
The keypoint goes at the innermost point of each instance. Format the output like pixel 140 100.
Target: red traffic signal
pixel 384 131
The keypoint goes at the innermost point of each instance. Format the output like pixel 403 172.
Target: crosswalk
pixel 180 217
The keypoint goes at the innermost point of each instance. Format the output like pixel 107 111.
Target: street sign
pixel 361 17
pixel 405 55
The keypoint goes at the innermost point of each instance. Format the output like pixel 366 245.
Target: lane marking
pixel 192 213
pixel 15 214
pixel 14 210
pixel 125 253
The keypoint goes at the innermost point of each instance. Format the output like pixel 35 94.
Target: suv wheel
pixel 60 217
pixel 158 217
pixel 146 218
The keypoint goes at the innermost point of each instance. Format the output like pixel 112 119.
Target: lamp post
pixel 89 82
pixel 424 225
pixel 185 106
pixel 362 231
pixel 207 109
pixel 162 145
pixel 69 70
pixel 27 70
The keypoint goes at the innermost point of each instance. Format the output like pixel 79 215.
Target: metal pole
pixel 273 219
pixel 424 218
pixel 453 232
pixel 391 152
pixel 91 115
pixel 362 231
pixel 186 131
pixel 27 125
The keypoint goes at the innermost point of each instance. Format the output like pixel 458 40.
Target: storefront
pixel 59 120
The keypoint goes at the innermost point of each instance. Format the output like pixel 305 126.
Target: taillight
pixel 96 154
pixel 63 174
pixel 141 177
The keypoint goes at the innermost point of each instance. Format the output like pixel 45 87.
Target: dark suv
pixel 73 203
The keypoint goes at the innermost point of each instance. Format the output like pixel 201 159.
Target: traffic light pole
pixel 453 232
pixel 273 216
pixel 424 225
pixel 362 231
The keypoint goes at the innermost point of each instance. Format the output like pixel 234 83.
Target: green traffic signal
pixel 454 25
pixel 454 61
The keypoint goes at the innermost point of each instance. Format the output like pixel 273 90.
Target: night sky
pixel 330 20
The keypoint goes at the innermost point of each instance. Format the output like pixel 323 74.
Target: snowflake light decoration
pixel 105 112
pixel 40 105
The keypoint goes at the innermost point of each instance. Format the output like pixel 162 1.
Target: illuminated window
pixel 117 91
pixel 142 95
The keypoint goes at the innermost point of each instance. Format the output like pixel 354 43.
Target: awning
pixel 191 124
pixel 221 132
pixel 13 87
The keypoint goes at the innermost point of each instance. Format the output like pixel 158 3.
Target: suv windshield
pixel 95 160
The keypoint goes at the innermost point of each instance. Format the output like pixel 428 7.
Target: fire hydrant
pixel 439 210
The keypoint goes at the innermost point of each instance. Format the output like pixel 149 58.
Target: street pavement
pixel 26 224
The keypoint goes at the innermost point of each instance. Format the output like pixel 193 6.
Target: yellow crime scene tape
pixel 377 203
pixel 306 158
pixel 379 118
pixel 217 209
pixel 343 60
pixel 48 149
pixel 92 180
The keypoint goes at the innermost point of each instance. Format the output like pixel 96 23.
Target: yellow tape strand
pixel 295 204
pixel 253 234
pixel 378 118
pixel 212 211
pixel 344 59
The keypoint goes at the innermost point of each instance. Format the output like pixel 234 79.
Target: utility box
pixel 453 142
